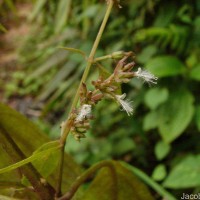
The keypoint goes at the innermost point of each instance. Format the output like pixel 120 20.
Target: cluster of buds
pixel 81 121
pixel 80 118
pixel 122 72
pixel 107 88
pixel 89 97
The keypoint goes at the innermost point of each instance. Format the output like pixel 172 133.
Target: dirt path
pixel 17 29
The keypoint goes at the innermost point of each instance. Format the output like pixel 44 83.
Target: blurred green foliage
pixel 163 135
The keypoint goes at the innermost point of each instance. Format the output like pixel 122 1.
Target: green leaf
pixel 36 155
pixel 175 115
pixel 123 146
pixel 37 9
pixel 155 96
pixel 149 181
pixel 147 53
pixel 57 82
pixel 5 179
pixel 89 12
pixel 62 14
pixel 159 172
pixel 29 138
pixel 161 150
pixel 163 66
pixel 74 50
pixel 165 14
pixel 195 73
pixel 53 60
pixel 185 174
pixel 128 185
pixel 48 162
pixel 197 117
pixel 150 121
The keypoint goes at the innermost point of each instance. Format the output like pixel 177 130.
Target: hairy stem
pixel 87 174
pixel 66 126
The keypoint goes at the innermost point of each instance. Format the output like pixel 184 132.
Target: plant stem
pixel 87 174
pixel 159 189
pixel 66 126
pixel 92 53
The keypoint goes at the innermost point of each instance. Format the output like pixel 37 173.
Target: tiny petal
pixel 146 76
pixel 84 112
pixel 124 103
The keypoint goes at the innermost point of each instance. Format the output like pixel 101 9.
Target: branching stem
pixel 65 129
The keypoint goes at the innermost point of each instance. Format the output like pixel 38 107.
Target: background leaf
pixel 197 117
pixel 150 121
pixel 195 73
pixel 159 172
pixel 37 9
pixel 185 174
pixel 175 115
pixel 62 14
pixel 156 96
pixel 128 186
pixel 161 150
pixel 163 66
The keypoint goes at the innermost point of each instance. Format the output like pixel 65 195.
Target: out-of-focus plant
pixel 2 28
pixel 5 6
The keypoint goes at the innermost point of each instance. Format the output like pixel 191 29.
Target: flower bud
pixel 117 54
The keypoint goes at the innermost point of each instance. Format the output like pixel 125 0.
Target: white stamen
pixel 125 104
pixel 146 76
pixel 84 112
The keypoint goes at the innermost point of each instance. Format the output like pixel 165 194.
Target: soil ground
pixel 17 27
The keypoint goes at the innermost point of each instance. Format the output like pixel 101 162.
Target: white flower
pixel 124 103
pixel 146 76
pixel 84 112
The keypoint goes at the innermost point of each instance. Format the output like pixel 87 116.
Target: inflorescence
pixel 107 88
